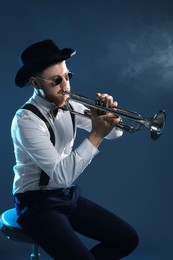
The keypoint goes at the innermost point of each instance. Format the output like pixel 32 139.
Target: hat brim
pixel 26 71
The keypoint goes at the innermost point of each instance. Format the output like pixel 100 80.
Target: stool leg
pixel 35 253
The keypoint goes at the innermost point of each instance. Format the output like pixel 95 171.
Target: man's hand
pixel 104 123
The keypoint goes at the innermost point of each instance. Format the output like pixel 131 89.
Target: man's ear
pixel 34 82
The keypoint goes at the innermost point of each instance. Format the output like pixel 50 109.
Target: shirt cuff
pixel 87 149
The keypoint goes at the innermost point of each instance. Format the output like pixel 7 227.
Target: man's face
pixel 47 87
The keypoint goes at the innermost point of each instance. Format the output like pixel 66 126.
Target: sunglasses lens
pixel 70 75
pixel 58 80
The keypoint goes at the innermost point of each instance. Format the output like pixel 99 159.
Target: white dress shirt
pixel 34 150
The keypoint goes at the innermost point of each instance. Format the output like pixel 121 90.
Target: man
pixel 50 207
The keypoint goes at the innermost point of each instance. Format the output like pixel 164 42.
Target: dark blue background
pixel 125 48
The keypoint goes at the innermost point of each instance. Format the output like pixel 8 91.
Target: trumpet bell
pixel 157 124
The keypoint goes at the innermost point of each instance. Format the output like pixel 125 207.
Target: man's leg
pixel 118 239
pixel 53 232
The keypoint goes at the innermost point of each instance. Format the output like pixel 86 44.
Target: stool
pixel 13 231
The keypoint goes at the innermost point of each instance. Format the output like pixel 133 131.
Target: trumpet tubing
pixel 155 124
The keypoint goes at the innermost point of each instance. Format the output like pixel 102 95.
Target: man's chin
pixel 61 105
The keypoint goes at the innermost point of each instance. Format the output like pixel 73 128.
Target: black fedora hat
pixel 39 56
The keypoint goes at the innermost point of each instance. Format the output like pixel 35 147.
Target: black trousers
pixel 52 219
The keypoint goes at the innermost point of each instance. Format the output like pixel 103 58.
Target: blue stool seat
pixel 13 231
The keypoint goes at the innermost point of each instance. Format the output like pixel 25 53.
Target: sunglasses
pixel 59 79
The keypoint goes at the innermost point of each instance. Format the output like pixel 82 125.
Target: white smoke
pixel 144 59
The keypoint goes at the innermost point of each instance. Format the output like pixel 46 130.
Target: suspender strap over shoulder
pixel 44 178
pixel 73 119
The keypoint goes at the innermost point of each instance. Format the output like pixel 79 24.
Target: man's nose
pixel 64 82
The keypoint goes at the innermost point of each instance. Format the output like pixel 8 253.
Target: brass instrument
pixel 155 124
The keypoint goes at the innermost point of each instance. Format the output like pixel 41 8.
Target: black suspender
pixel 37 112
pixel 44 178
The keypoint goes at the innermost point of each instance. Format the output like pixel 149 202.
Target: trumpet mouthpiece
pixel 65 92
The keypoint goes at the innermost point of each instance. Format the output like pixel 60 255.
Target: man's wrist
pixel 95 139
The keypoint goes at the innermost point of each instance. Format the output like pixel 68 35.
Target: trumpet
pixel 132 121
